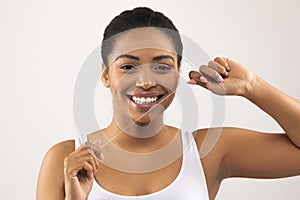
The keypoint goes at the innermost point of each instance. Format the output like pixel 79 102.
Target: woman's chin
pixel 142 124
pixel 142 120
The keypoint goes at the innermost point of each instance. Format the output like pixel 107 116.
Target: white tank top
pixel 190 184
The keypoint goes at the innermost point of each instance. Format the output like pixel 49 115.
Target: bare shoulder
pixel 55 156
pixel 217 139
pixel 210 140
pixel 57 153
pixel 51 175
pixel 213 145
pixel 247 153
pixel 62 149
pixel 215 142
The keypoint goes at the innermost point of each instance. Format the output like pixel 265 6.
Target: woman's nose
pixel 146 85
pixel 145 80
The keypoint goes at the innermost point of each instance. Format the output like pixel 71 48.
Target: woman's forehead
pixel 142 39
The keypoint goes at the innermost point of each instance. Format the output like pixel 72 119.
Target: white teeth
pixel 143 100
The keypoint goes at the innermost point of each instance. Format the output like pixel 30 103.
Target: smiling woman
pixel 137 156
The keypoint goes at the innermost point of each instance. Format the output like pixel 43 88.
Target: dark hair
pixel 138 18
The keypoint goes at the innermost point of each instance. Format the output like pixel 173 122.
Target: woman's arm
pixel 283 108
pixel 51 176
pixel 247 153
pixel 67 174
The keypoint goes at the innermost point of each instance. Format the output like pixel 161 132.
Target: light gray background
pixel 44 43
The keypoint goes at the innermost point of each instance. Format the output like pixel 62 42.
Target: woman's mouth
pixel 144 102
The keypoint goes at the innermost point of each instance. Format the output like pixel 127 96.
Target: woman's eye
pixel 127 67
pixel 162 68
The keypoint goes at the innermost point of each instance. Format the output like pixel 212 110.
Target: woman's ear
pixel 104 76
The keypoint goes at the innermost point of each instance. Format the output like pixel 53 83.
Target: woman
pixel 141 53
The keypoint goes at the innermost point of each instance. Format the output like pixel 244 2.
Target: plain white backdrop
pixel 44 43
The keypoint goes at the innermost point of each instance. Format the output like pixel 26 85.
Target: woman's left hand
pixel 224 77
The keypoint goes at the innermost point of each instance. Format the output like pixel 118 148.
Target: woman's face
pixel 142 74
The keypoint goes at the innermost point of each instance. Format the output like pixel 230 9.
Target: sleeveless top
pixel 190 183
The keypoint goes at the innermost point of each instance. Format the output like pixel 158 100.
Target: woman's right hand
pixel 80 167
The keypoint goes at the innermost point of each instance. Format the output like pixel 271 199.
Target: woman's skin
pixel 67 173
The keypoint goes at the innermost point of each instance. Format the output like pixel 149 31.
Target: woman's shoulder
pixel 51 174
pixel 58 152
pixel 212 141
pixel 63 148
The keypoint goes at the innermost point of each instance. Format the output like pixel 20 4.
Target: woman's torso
pixel 182 179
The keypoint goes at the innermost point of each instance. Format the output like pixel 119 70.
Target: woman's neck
pixel 137 140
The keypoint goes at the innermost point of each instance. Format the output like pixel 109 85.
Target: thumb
pixel 197 78
pixel 95 149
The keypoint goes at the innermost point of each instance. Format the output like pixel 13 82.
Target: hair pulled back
pixel 138 18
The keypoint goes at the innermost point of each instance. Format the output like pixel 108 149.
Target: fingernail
pixel 98 143
pixel 90 174
pixel 203 79
pixel 101 156
pixel 220 79
pixel 194 74
pixel 192 82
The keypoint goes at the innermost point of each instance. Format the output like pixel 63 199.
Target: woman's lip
pixel 146 94
pixel 144 107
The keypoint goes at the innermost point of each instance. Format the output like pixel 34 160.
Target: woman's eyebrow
pixel 156 58
pixel 127 56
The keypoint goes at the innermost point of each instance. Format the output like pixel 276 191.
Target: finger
pixel 223 61
pixel 194 75
pixel 78 156
pixel 73 165
pixel 71 168
pixel 95 149
pixel 87 152
pixel 216 88
pixel 88 158
pixel 196 78
pixel 210 74
pixel 80 152
pixel 192 82
pixel 82 148
pixel 219 68
pixel 92 161
pixel 88 168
